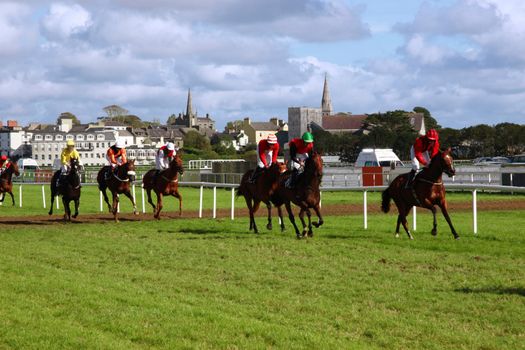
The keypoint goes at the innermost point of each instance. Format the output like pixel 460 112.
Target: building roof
pixel 114 123
pixel 264 126
pixel 344 121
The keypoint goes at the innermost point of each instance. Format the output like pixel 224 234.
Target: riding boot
pixel 410 180
pixel 255 175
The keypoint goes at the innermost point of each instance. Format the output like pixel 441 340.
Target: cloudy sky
pixel 462 59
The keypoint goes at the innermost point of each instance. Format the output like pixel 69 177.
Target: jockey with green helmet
pixel 300 150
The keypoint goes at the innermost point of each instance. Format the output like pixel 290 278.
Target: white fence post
pixel 57 202
pixel 414 218
pixel 133 193
pixel 19 196
pixel 100 193
pixel 365 218
pixel 118 203
pixel 143 201
pixel 44 196
pixel 233 204
pixel 200 201
pixel 475 211
pixel 321 199
pixel 214 202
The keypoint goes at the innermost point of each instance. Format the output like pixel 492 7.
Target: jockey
pixel 164 156
pixel 116 155
pixel 267 151
pixel 423 150
pixel 300 150
pixel 67 154
pixel 4 163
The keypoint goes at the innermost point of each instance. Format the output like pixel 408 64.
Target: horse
pixel 69 189
pixel 6 183
pixel 165 183
pixel 261 191
pixel 118 182
pixel 306 194
pixel 427 191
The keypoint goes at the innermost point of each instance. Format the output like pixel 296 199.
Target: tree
pixel 234 126
pixel 114 112
pixel 430 122
pixel 193 139
pixel 69 115
pixel 171 119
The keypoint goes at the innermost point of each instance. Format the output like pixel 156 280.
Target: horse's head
pixel 447 163
pixel 176 164
pixel 314 165
pixel 129 170
pixel 16 171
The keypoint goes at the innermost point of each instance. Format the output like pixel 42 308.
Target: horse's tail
pixel 385 203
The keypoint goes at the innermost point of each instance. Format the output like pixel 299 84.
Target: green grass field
pixel 90 201
pixel 210 284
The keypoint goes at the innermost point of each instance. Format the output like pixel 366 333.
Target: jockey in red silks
pixel 164 156
pixel 4 163
pixel 267 151
pixel 423 150
pixel 300 150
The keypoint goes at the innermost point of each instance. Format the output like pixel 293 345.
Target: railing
pixel 474 188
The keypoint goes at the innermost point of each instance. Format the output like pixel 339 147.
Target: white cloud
pixel 64 21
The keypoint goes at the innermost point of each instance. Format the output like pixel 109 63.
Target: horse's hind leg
pixel 2 197
pixel 301 216
pixel 444 210
pixel 106 199
pixel 255 207
pixel 269 225
pixel 114 209
pixel 434 227
pixel 403 214
pixel 398 224
pixel 67 209
pixel 159 205
pixel 248 201
pixel 292 219
pixel 12 197
pixel 52 202
pixel 309 215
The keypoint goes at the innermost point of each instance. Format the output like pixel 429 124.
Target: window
pixel 42 147
pixel 97 144
pixel 56 156
pixel 59 137
pixel 70 137
pixel 80 137
pixel 100 137
pixel 49 156
pixel 38 137
pixel 56 147
pixel 91 137
pixel 48 137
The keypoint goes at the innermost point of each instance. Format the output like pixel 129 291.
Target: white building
pixel 12 137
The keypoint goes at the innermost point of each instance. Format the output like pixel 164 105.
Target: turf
pixel 210 284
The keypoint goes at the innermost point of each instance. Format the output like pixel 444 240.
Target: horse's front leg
pixel 52 202
pixel 115 206
pixel 309 215
pixel 269 224
pixel 159 205
pixel 128 194
pixel 150 200
pixel 256 204
pixel 280 212
pixel 403 215
pixel 444 209
pixel 77 204
pixel 434 227
pixel 301 216
pixel 12 197
pixel 292 219
pixel 67 209
pixel 177 195
pixel 320 220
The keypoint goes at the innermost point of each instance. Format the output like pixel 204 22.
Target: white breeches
pixel 298 166
pixel 268 155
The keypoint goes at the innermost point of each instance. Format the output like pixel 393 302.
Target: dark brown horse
pixel 118 182
pixel 69 189
pixel 165 183
pixel 427 192
pixel 306 194
pixel 6 181
pixel 261 191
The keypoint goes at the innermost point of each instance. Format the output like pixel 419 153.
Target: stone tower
pixel 326 102
pixel 190 117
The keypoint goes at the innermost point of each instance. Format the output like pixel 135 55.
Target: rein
pixel 429 182
pixel 170 181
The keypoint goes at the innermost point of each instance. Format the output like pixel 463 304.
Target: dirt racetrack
pixel 337 210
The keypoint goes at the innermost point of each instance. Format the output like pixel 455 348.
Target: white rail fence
pixel 473 188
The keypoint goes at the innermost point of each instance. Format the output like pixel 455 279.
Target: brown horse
pixel 261 191
pixel 69 190
pixel 6 181
pixel 427 191
pixel 118 182
pixel 306 194
pixel 165 183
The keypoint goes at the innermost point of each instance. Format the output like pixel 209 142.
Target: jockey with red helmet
pixel 267 151
pixel 4 163
pixel 423 150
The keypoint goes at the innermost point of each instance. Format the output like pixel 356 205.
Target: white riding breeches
pixel 415 162
pixel 64 169
pixel 298 166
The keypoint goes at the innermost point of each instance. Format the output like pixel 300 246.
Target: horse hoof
pixel 434 232
pixel 456 238
pixel 411 237
pixel 298 236
pixel 282 229
pixel 75 216
pixel 310 234
pixel 316 224
pixel 269 227
pixel 397 235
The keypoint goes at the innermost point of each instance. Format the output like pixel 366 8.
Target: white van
pixel 27 164
pixel 384 157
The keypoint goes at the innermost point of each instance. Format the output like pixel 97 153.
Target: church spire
pixel 189 110
pixel 326 102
